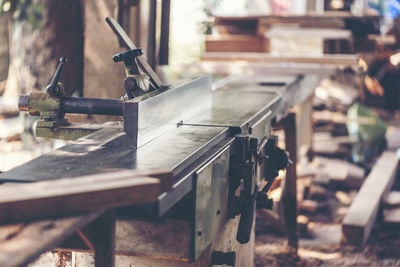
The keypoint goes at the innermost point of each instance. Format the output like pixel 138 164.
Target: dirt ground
pixel 320 244
pixel 324 249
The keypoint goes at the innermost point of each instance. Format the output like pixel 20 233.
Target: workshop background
pixel 348 132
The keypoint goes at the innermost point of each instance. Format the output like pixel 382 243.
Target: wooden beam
pixel 21 202
pixel 359 220
pixel 23 243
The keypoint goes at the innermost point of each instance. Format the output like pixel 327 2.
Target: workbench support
pixel 137 245
pixel 289 198
pixel 103 242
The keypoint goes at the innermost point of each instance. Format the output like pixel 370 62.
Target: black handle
pixel 246 220
pixel 128 57
pixel 52 88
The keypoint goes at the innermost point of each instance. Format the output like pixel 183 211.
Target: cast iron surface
pixel 183 149
pixel 109 149
pixel 244 101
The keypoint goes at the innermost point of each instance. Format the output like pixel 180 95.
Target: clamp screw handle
pixel 128 57
pixel 52 88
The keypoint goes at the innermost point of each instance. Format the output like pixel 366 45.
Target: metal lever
pixel 248 200
pixel 244 170
pixel 54 88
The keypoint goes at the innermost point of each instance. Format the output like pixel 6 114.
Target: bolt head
pixel 23 103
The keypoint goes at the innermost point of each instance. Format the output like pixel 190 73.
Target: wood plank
pixel 296 33
pixel 392 216
pixel 338 172
pixel 27 241
pixel 309 205
pixel 237 43
pixel 359 220
pixel 392 199
pixel 75 195
pixel 334 59
pixel 254 68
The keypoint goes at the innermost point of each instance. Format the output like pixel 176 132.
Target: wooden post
pixel 103 241
pixel 151 45
pixel 164 39
pixel 289 199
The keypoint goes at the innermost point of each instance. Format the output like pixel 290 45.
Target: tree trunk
pixel 35 53
pixel 4 47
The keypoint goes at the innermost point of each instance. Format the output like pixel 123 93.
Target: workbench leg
pixel 289 199
pixel 103 241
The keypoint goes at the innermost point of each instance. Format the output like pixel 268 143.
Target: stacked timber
pixel 360 219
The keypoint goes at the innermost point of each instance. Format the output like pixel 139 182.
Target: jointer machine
pixel 215 143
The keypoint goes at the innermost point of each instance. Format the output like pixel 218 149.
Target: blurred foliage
pixel 370 131
pixel 209 7
pixel 30 11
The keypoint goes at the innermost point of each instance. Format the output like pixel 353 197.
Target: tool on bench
pixel 51 105
pixel 129 45
pixel 217 151
pixel 135 83
pixel 243 173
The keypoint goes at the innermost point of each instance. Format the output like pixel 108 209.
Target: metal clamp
pixel 243 172
pixel 274 159
pixel 135 83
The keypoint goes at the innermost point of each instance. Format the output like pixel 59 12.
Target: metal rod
pixel 99 106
